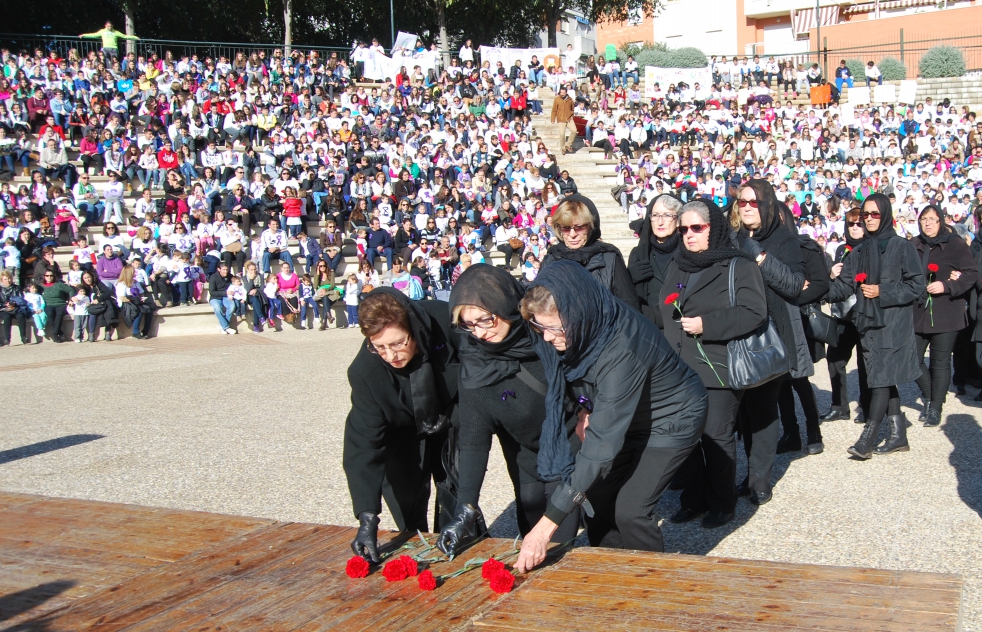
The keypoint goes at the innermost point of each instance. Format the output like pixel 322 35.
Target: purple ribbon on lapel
pixel 506 394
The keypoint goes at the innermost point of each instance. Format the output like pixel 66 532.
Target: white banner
pixel 908 92
pixel 405 43
pixel 859 96
pixel 507 56
pixel 665 77
pixel 378 67
pixel 887 93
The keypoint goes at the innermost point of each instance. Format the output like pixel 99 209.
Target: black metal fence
pixel 62 44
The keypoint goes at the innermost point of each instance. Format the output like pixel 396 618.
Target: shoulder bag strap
pixel 732 282
pixel 530 380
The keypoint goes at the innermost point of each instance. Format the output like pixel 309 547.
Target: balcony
pixel 771 8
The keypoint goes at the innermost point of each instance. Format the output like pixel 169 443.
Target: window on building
pixel 564 26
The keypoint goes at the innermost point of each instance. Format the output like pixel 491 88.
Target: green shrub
pixel 858 69
pixel 687 57
pixel 892 69
pixel 658 58
pixel 636 49
pixel 942 61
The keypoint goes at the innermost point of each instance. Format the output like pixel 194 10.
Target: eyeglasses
pixel 395 347
pixel 930 220
pixel 874 215
pixel 539 327
pixel 696 228
pixel 575 228
pixel 851 224
pixel 486 322
pixel 752 203
pixel 662 217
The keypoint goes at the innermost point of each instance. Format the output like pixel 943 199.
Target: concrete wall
pixel 706 24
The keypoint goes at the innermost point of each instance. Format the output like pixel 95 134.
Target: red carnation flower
pixel 357 567
pixel 671 298
pixel 932 267
pixel 848 248
pixel 502 581
pixel 491 567
pixel 395 571
pixel 412 568
pixel 426 580
pixel 861 277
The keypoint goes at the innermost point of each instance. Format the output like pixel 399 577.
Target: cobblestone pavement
pixel 252 425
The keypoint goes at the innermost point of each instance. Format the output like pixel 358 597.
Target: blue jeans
pixel 879 82
pixel 352 314
pixel 333 262
pixel 93 212
pixel 217 304
pixel 283 255
pixel 303 309
pixel 257 310
pixel 537 76
pixel 229 306
pixel 186 291
pixel 372 253
pixel 839 81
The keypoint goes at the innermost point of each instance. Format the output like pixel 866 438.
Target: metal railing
pixel 62 44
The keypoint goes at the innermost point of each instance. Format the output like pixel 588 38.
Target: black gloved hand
pixel 752 247
pixel 466 527
pixel 366 540
pixel 641 271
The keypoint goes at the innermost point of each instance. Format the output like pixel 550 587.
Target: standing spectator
pixel 562 112
pixel 110 37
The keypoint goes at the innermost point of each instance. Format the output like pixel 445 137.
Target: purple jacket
pixel 108 269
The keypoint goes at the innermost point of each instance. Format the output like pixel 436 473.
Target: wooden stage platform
pixel 71 565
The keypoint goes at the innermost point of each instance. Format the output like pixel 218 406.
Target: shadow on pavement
pixel 17 603
pixel 44 447
pixel 966 438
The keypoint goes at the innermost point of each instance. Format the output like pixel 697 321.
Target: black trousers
pixel 789 418
pixel 837 357
pixel 6 325
pixel 934 381
pixel 710 470
pixel 965 370
pixel 409 465
pixel 761 430
pixel 624 500
pixel 510 253
pixel 56 314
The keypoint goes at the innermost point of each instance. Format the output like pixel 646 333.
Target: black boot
pixel 897 441
pixel 923 416
pixel 790 442
pixel 867 441
pixel 815 445
pixel 933 418
pixel 835 414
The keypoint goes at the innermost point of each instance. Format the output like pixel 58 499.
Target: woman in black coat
pixel 641 412
pixel 763 234
pixel 885 276
pixel 403 398
pixel 940 314
pixel 698 281
pixel 650 259
pixel 839 354
pixel 106 312
pixel 577 224
pixel 501 392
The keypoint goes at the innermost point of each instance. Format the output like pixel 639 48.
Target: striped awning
pixel 804 19
pixel 869 7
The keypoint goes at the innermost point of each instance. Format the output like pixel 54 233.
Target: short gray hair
pixel 669 201
pixel 697 206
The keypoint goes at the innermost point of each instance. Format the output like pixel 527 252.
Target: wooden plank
pixel 9 500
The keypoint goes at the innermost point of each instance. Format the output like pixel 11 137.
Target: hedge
pixel 942 61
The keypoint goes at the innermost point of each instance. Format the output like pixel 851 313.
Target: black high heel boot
pixel 897 441
pixel 863 448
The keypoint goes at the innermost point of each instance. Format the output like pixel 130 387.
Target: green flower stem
pixel 702 352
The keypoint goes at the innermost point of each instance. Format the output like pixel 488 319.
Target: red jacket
pixel 291 207
pixel 167 160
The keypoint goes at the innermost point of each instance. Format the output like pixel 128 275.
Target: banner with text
pixel 378 67
pixel 665 77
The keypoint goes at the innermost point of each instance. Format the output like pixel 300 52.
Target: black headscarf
pixel 493 290
pixel 944 231
pixel 649 247
pixel 721 248
pixel 593 246
pixel 432 345
pixel 769 208
pixel 589 314
pixel 868 314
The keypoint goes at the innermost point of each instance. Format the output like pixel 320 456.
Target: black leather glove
pixel 466 528
pixel 752 247
pixel 366 540
pixel 641 271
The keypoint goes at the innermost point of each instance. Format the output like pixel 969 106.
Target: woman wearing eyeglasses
pixel 887 278
pixel 403 397
pixel 577 224
pixel 940 313
pixel 502 392
pixel 763 229
pixel 650 259
pixel 699 323
pixel 641 412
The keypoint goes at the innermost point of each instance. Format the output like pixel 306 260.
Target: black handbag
pixel 758 357
pixel 819 326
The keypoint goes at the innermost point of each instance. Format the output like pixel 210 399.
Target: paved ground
pixel 252 425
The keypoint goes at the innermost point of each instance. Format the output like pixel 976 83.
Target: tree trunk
pixel 442 23
pixel 287 26
pixel 130 26
pixel 555 12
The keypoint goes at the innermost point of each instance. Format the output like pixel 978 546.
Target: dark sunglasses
pixel 874 215
pixel 752 203
pixel 854 223
pixel 696 228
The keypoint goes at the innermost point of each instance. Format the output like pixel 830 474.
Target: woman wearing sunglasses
pixel 502 392
pixel 403 396
pixel 886 277
pixel 763 232
pixel 641 411
pixel 577 224
pixel 699 323
pixel 651 258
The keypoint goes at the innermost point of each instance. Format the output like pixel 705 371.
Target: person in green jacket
pixel 110 37
pixel 56 295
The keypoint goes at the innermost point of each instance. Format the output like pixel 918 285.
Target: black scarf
pixel 944 231
pixel 589 314
pixel 593 245
pixel 432 345
pixel 768 207
pixel 720 246
pixel 658 253
pixel 497 292
pixel 868 314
